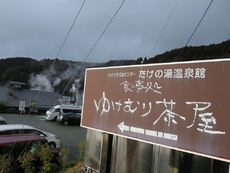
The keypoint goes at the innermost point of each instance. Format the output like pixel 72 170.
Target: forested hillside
pixel 213 51
pixel 47 75
pixel 41 74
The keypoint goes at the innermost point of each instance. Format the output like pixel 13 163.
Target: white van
pixel 55 111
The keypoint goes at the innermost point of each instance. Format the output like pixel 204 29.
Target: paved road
pixel 70 136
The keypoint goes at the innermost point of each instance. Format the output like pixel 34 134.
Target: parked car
pixel 70 118
pixel 7 129
pixel 56 110
pixel 16 145
pixel 2 121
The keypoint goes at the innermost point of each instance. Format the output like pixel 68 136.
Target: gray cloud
pixel 37 28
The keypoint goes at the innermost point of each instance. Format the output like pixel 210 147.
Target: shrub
pixel 5 162
pixel 43 160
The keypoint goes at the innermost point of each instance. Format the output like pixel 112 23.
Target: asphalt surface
pixel 70 136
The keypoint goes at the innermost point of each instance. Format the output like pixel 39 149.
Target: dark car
pixel 70 118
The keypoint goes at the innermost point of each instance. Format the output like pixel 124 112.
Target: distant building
pixel 17 85
pixel 40 100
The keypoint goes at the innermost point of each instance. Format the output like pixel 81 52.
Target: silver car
pixel 52 139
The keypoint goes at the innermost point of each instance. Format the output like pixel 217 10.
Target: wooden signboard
pixel 184 106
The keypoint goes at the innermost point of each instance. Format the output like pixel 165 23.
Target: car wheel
pixel 66 123
pixel 55 118
pixel 52 145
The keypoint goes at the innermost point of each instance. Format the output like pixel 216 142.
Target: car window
pixel 27 131
pixel 17 131
pixel 71 116
pixel 67 110
pixel 12 132
pixel 76 111
pixel 3 122
pixel 34 146
pixel 18 148
pixel 78 115
pixel 57 110
pixel 37 132
pixel 24 131
pixel 6 149
pixel 75 116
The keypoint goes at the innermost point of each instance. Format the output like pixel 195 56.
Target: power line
pixel 104 30
pixel 196 27
pixel 158 39
pixel 199 22
pixel 62 45
pixel 67 35
pixel 70 29
pixel 94 46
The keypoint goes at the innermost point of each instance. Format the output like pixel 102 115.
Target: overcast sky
pixel 141 28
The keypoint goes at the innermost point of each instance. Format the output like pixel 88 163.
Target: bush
pixel 64 157
pixel 27 162
pixel 43 160
pixel 81 154
pixel 5 162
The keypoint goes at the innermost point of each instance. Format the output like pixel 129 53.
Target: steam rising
pixel 56 82
pixel 54 78
pixel 41 82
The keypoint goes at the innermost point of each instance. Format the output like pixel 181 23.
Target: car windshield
pixel 51 109
pixel 77 115
pixel 2 122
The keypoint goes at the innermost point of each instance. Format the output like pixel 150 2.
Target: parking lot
pixel 70 136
